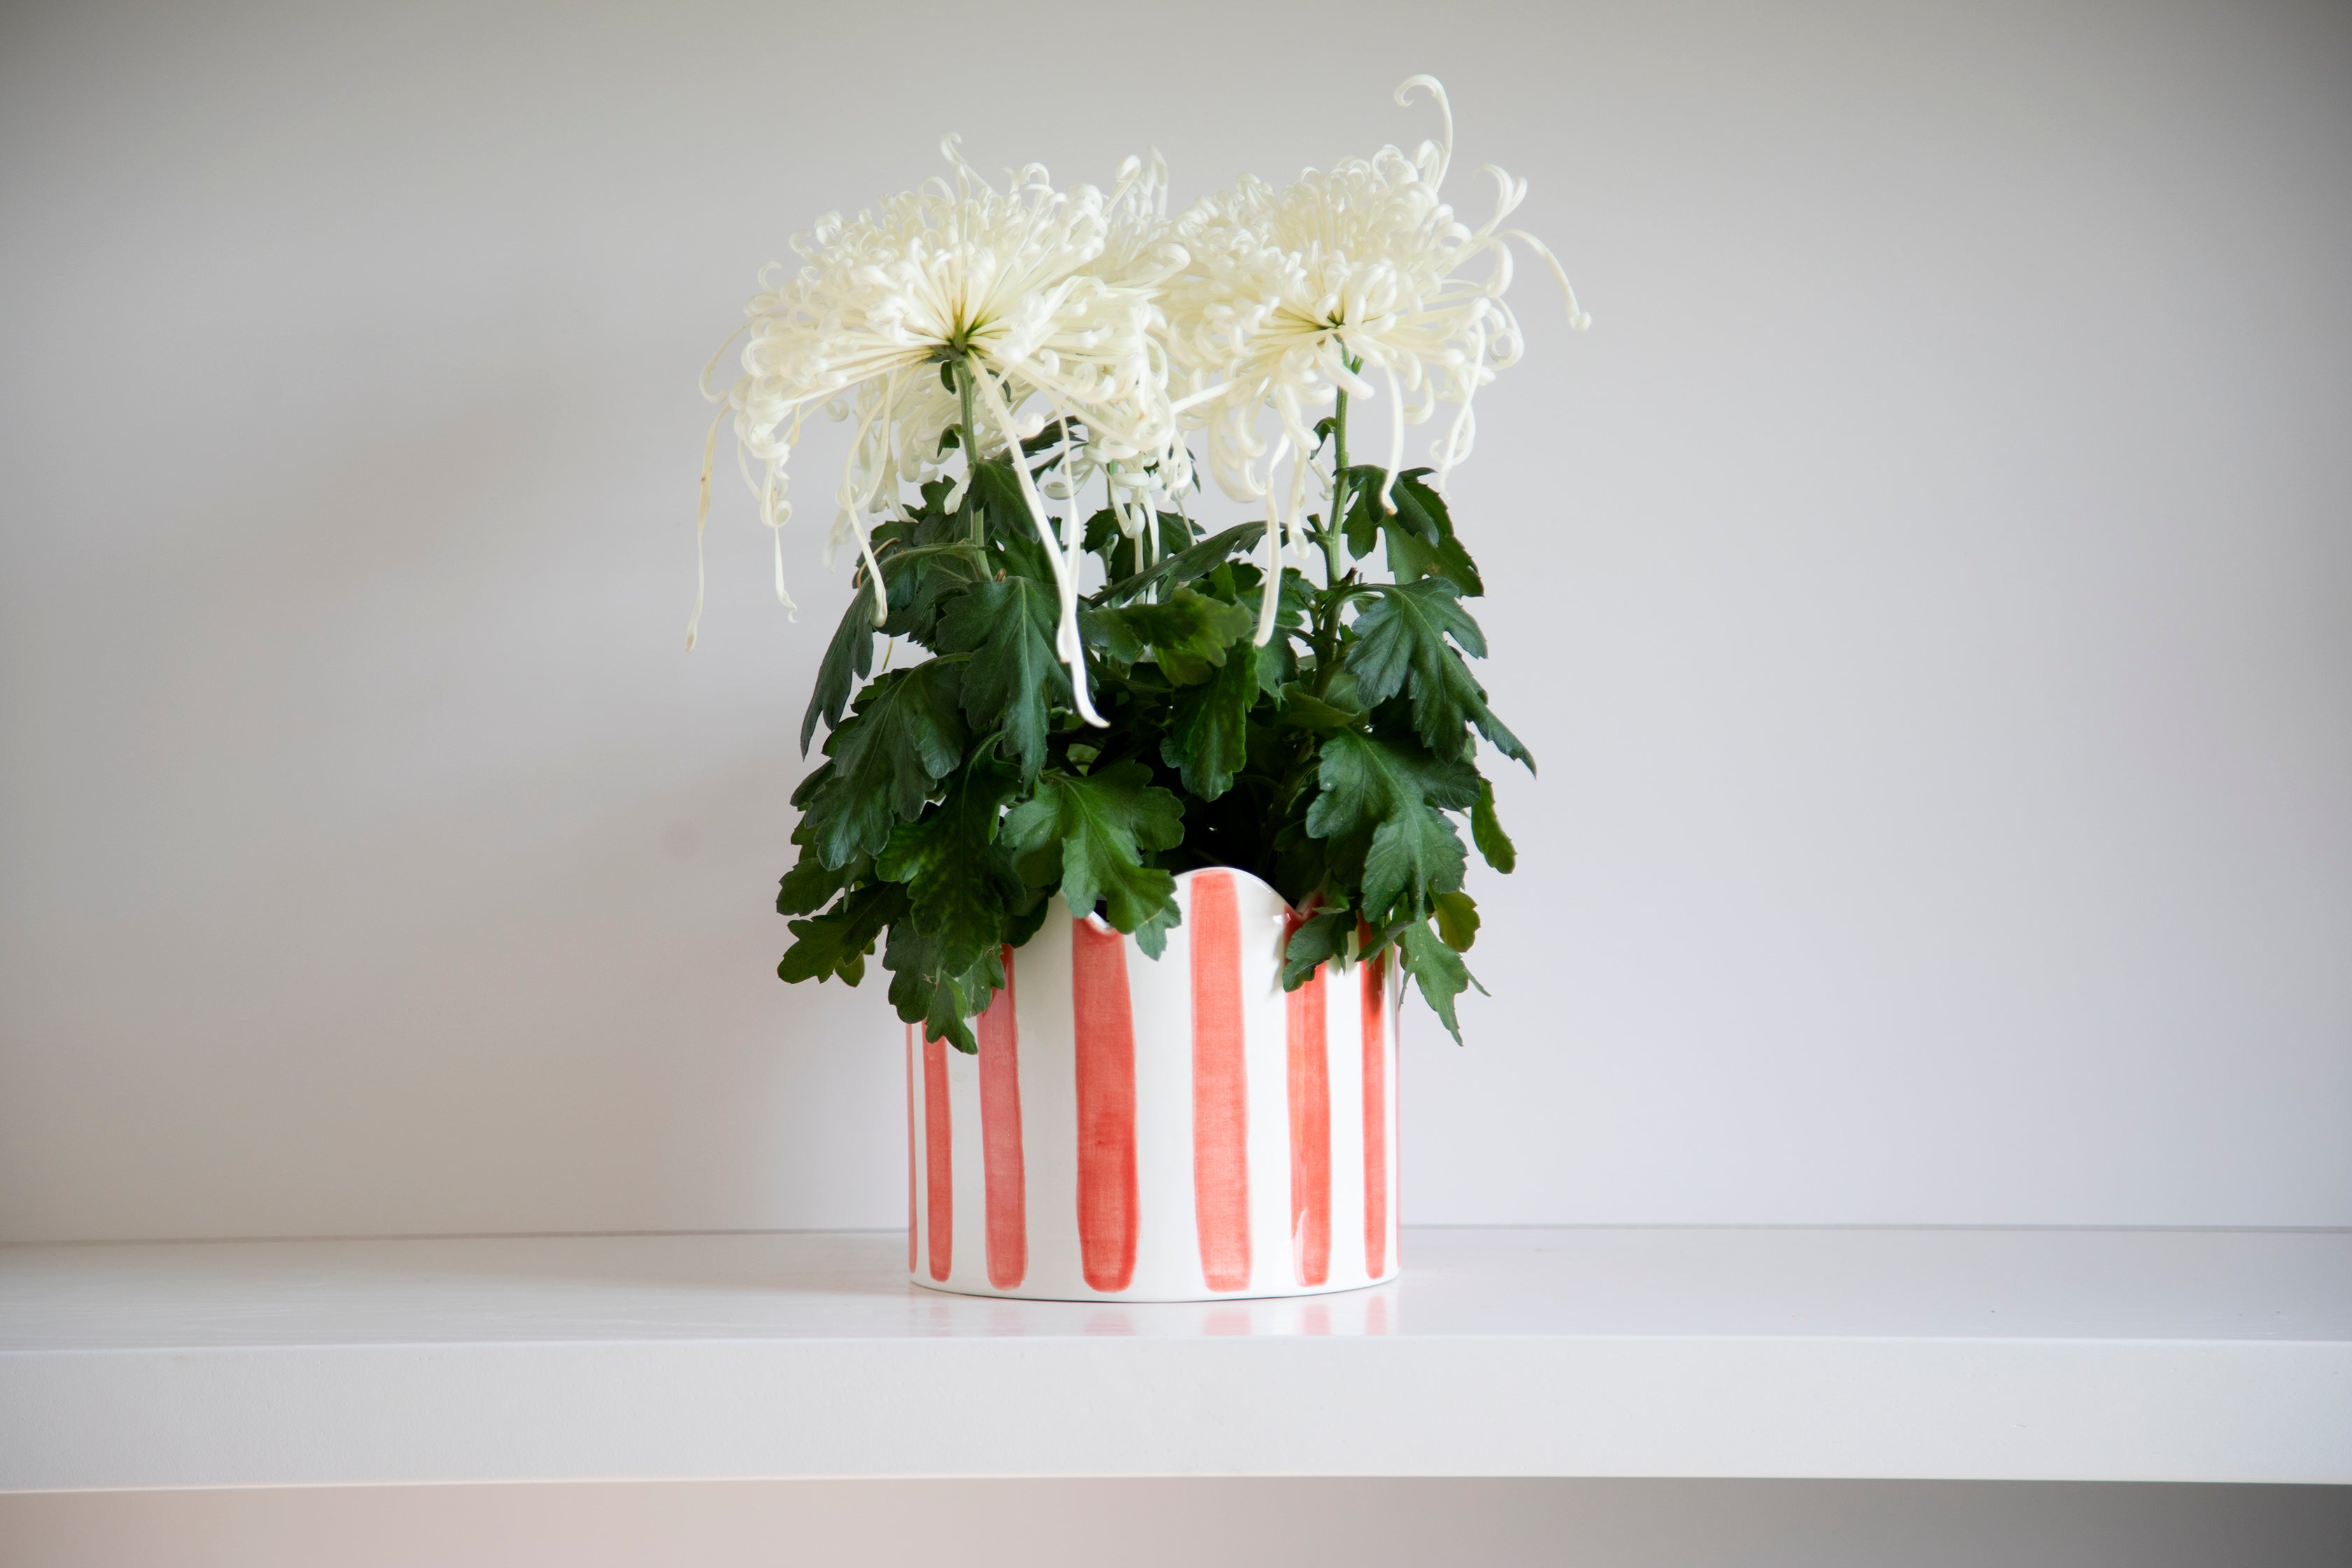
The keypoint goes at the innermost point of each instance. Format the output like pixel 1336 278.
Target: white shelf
pixel 2149 1355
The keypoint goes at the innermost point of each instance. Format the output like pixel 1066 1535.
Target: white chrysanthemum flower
pixel 1046 296
pixel 1345 281
pixel 1140 251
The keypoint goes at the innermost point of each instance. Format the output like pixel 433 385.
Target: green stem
pixel 1335 570
pixel 970 451
pixel 1331 566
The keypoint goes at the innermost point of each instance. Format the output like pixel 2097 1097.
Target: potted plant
pixel 1149 820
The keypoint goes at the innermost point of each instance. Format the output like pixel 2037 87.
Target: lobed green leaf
pixel 810 884
pixel 838 941
pixel 1380 805
pixel 1457 919
pixel 1121 556
pixel 1013 679
pixel 930 990
pixel 885 762
pixel 1400 642
pixel 1318 939
pixel 1187 566
pixel 1487 832
pixel 961 885
pixel 1098 825
pixel 1187 634
pixel 1438 970
pixel 1208 729
pixel 848 660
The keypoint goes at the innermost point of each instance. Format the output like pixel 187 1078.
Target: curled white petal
pixel 1286 290
pixel 1052 293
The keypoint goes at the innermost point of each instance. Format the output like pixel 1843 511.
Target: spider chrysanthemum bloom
pixel 1140 251
pixel 1039 302
pixel 1349 280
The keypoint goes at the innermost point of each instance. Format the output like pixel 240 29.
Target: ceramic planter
pixel 1169 1130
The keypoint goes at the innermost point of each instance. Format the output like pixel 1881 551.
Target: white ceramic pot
pixel 1177 1130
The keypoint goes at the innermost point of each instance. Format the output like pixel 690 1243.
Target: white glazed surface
pixel 1168 1249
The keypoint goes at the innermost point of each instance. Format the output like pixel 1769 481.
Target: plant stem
pixel 970 451
pixel 1335 572
pixel 1332 567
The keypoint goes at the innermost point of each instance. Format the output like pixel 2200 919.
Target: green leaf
pixel 1315 943
pixel 810 884
pixel 962 553
pixel 1277 659
pixel 1370 776
pixel 1380 805
pixel 1187 634
pixel 1438 970
pixel 1121 556
pixel 927 990
pixel 1457 919
pixel 1414 553
pixel 1302 710
pixel 1185 565
pixel 1342 692
pixel 1420 510
pixel 1487 832
pixel 1024 556
pixel 1101 533
pixel 1415 511
pixel 1109 634
pixel 1420 534
pixel 1023 922
pixel 921 577
pixel 1361 526
pixel 807 790
pixel 959 884
pixel 1412 559
pixel 1208 729
pixel 1397 629
pixel 848 660
pixel 1400 643
pixel 1100 824
pixel 1012 680
pixel 998 491
pixel 1302 864
pixel 1277 666
pixel 902 737
pixel 836 942
pixel 1152 936
pixel 1415 858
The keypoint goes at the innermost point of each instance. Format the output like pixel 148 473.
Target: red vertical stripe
pixel 1310 1134
pixel 1376 1116
pixel 910 1147
pixel 1220 1085
pixel 939 1180
pixel 1000 1138
pixel 1106 1031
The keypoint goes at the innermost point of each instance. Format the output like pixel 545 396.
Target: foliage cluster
pixel 959 794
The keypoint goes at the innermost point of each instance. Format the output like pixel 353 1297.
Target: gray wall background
pixel 1925 587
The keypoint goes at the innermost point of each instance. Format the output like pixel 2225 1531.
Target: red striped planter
pixel 1177 1130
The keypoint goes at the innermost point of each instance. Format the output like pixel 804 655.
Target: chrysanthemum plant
pixel 1287 695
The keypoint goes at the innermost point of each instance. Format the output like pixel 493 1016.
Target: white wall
pixel 1926 586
